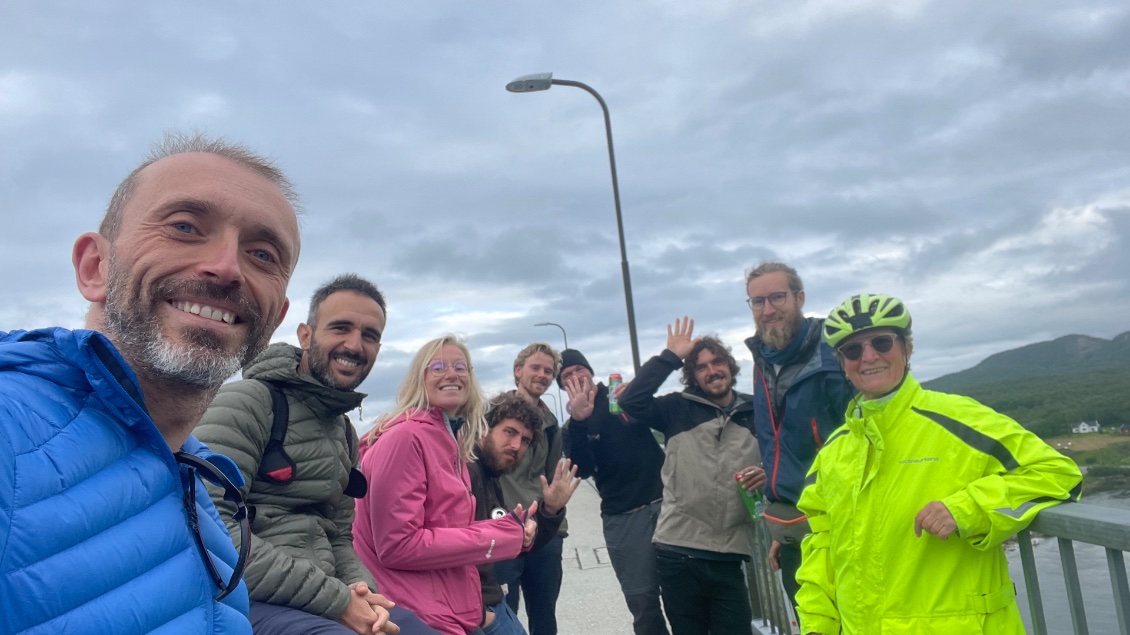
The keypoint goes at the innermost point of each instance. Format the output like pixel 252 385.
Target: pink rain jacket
pixel 415 529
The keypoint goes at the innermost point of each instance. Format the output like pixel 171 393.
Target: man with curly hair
pixel 704 532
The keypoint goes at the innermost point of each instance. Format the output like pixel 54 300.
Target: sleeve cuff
pixel 971 520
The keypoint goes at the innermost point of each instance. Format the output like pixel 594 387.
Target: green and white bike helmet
pixel 864 312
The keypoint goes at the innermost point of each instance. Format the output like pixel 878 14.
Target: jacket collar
pixel 279 364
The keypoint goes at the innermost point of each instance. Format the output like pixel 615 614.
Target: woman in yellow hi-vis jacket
pixel 910 500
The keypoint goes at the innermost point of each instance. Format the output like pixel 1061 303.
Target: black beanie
pixel 571 357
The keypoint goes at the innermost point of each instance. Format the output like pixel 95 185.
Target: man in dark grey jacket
pixel 303 575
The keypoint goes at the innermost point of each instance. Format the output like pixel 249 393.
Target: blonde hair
pixel 528 352
pixel 412 396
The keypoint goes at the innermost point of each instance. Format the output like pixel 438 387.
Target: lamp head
pixel 531 83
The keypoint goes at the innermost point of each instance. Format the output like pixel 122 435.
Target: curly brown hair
pixel 714 345
pixel 511 406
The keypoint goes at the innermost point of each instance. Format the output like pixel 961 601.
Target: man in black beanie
pixel 625 461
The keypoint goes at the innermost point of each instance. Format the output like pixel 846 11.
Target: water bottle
pixel 614 380
pixel 753 501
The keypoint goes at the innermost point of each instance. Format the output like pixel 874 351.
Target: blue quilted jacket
pixel 93 528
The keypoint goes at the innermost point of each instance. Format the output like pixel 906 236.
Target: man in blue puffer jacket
pixel 105 525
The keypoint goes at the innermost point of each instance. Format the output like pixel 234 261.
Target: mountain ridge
pixel 1050 386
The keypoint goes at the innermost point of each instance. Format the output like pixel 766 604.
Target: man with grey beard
pixel 799 397
pixel 285 426
pixel 105 524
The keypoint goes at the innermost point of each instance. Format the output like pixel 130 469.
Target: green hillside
pixel 1050 386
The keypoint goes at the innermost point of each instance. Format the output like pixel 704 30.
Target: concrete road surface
pixel 590 602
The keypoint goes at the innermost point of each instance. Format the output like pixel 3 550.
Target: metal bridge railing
pixel 766 595
pixel 1078 522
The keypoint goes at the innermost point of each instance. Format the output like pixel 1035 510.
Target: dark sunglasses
pixel 880 343
pixel 231 494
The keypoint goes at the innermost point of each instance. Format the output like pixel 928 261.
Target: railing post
pixel 1032 583
pixel 1117 566
pixel 1074 591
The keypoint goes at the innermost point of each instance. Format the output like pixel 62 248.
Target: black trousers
pixel 789 559
pixel 704 597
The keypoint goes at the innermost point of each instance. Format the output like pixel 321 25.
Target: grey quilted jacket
pixel 302 547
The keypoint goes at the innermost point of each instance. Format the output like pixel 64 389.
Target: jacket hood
pixel 433 416
pixel 279 364
pixel 79 360
pixel 744 400
pixel 60 355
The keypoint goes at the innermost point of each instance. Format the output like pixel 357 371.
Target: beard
pixel 201 359
pixel 535 389
pixel 780 333
pixel 494 459
pixel 320 366
pixel 727 385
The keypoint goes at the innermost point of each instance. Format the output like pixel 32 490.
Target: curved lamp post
pixel 557 406
pixel 543 81
pixel 563 335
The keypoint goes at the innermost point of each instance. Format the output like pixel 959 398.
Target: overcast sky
pixel 972 158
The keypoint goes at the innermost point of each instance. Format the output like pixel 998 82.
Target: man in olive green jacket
pixel 303 574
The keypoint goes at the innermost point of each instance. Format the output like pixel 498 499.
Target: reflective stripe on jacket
pixel 864 571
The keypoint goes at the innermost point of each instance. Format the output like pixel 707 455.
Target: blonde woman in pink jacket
pixel 415 529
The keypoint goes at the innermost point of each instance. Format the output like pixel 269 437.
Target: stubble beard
pixel 201 360
pixel 320 367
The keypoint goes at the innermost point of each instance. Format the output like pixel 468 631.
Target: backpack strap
pixel 277 466
pixel 358 485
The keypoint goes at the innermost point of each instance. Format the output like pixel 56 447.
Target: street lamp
pixel 566 338
pixel 543 81
pixel 563 335
pixel 556 406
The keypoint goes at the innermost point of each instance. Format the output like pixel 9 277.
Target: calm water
pixel 1094 576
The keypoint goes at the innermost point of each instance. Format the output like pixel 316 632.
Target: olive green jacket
pixel 302 547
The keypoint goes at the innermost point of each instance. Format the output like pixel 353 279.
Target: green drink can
pixel 752 500
pixel 614 380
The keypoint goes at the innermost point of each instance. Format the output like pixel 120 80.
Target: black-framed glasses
pixel 231 494
pixel 439 367
pixel 880 343
pixel 777 299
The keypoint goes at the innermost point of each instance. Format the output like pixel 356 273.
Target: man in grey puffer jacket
pixel 303 575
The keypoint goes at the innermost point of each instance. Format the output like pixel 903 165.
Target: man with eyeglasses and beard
pixel 799 397
pixel 299 473
pixel 105 526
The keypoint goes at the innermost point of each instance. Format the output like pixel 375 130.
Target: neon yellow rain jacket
pixel 863 570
